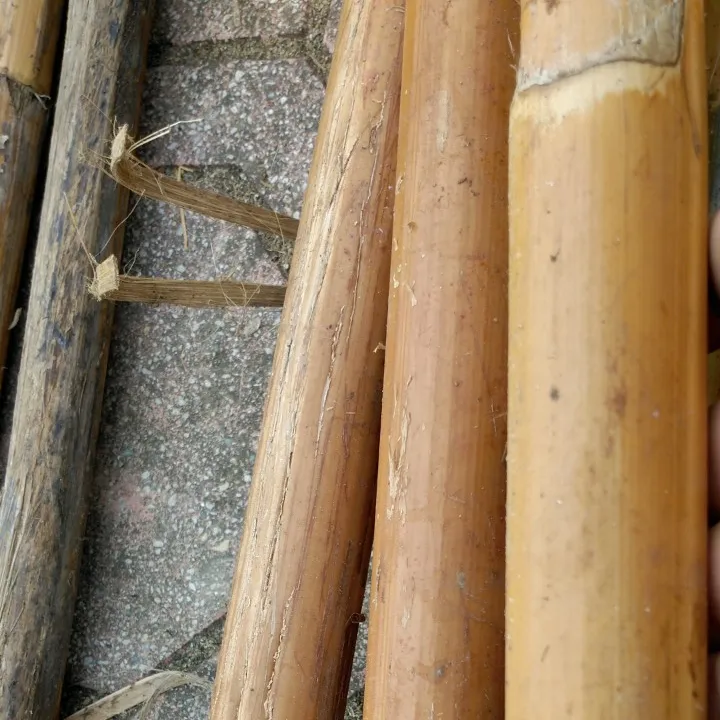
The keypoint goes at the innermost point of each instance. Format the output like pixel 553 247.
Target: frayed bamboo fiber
pixel 132 173
pixel 108 284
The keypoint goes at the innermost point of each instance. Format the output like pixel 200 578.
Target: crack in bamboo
pixel 128 170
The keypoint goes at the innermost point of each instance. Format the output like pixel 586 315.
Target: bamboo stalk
pixel 436 616
pixel 108 284
pixel 607 517
pixel 302 566
pixel 28 36
pixel 44 498
pixel 135 175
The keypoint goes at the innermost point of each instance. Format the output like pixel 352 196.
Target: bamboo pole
pixel 607 518
pixel 28 36
pixel 44 498
pixel 302 565
pixel 436 615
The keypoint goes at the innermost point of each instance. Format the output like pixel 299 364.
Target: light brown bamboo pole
pixel 436 614
pixel 28 36
pixel 62 371
pixel 607 519
pixel 302 565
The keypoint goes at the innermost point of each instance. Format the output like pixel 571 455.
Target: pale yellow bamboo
pixel 607 523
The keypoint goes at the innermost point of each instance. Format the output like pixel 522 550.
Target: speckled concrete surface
pixel 186 388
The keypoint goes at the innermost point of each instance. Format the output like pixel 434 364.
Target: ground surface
pixel 185 388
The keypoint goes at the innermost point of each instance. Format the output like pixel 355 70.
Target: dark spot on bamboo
pixel 554 394
pixel 544 653
pixel 550 5
pixel 554 256
pixel 618 401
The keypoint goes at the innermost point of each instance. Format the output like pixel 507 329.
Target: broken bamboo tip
pixel 108 284
pixel 128 170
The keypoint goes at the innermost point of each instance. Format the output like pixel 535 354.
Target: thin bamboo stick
pixel 436 615
pixel 135 175
pixel 607 483
pixel 108 284
pixel 44 497
pixel 302 566
pixel 28 36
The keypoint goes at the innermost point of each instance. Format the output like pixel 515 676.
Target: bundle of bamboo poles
pixel 506 209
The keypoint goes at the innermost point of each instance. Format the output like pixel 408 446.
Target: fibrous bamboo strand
pixel 108 284
pixel 135 175
pixel 28 36
pixel 607 481
pixel 301 572
pixel 60 384
pixel 436 612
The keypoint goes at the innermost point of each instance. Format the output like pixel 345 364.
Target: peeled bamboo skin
pixel 436 614
pixel 607 523
pixel 302 566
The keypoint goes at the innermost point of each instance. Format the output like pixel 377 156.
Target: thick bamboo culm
pixel 302 566
pixel 60 384
pixel 607 483
pixel 135 175
pixel 28 36
pixel 436 613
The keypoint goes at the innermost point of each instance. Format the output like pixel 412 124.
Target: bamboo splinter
pixel 108 284
pixel 28 36
pixel 607 483
pixel 135 175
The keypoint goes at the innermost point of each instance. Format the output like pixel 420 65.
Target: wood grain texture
pixel 607 478
pixel 436 614
pixel 44 498
pixel 22 129
pixel 302 565
pixel 28 36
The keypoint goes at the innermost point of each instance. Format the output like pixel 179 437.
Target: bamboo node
pixel 106 278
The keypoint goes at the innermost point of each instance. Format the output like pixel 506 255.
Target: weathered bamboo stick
pixel 135 175
pixel 302 566
pixel 109 284
pixel 28 36
pixel 607 483
pixel 436 615
pixel 43 504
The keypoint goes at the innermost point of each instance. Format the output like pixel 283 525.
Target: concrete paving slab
pixel 256 115
pixel 183 22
